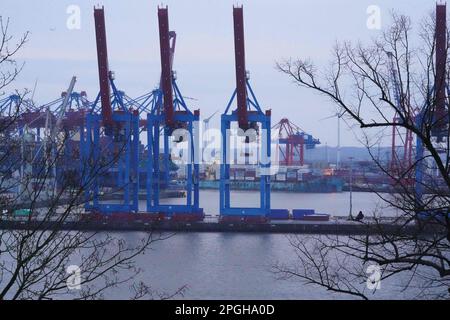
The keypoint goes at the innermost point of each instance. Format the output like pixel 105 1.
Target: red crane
pixel 440 115
pixel 294 139
pixel 241 73
pixel 399 164
pixel 103 69
pixel 166 66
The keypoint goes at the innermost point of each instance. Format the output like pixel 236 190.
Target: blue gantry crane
pixel 68 130
pixel 105 136
pixel 247 115
pixel 171 119
pixel 110 147
pixel 12 110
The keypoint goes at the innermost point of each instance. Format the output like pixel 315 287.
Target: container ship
pixel 286 179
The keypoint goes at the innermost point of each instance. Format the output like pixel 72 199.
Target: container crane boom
pixel 394 79
pixel 173 39
pixel 440 114
pixel 241 77
pixel 103 69
pixel 63 107
pixel 166 65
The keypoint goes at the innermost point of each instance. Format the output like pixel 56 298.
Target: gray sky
pixel 204 58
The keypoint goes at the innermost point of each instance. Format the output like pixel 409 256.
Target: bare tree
pixel 359 81
pixel 10 67
pixel 45 259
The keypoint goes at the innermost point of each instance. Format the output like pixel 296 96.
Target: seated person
pixel 360 216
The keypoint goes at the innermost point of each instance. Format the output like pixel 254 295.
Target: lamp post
pixel 350 216
pixel 338 151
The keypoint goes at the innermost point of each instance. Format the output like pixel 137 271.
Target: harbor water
pixel 240 265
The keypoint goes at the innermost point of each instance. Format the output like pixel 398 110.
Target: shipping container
pixel 300 213
pixel 279 214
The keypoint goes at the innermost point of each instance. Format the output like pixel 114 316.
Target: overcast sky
pixel 204 58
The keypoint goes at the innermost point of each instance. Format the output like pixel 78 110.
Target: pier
pixel 336 226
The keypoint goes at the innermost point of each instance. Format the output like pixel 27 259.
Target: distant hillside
pixel 359 153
